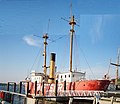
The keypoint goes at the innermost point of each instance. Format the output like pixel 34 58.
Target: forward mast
pixel 45 54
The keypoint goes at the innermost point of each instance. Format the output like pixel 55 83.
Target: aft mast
pixel 72 23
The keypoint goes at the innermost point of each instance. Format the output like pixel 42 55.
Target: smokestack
pixel 52 68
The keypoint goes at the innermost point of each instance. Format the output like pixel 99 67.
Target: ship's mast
pixel 72 23
pixel 44 53
pixel 117 67
pixel 116 81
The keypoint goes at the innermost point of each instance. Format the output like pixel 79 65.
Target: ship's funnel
pixel 52 68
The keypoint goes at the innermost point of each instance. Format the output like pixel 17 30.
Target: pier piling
pixel 35 88
pixel 20 87
pixel 8 86
pixel 65 85
pixel 27 89
pixel 56 87
pixel 43 88
pixel 14 87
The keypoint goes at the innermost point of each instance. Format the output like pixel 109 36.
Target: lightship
pixel 75 80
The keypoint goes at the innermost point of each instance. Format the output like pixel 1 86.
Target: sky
pixel 96 40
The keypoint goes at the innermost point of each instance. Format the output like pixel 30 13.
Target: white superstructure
pixel 70 76
pixel 35 76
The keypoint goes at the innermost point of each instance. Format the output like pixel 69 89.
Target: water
pixel 3 86
pixel 15 98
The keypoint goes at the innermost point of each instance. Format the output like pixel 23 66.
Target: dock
pixel 11 96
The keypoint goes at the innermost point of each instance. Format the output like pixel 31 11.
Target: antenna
pixel 71 15
pixel 48 26
pixel 71 8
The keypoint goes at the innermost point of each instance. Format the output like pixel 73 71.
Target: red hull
pixel 85 85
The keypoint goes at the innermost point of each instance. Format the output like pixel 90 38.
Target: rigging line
pixel 87 62
pixel 109 67
pixel 48 26
pixel 52 40
pixel 74 51
pixel 85 59
pixel 64 53
pixel 59 38
pixel 38 64
pixel 48 54
pixel 77 55
pixel 35 59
